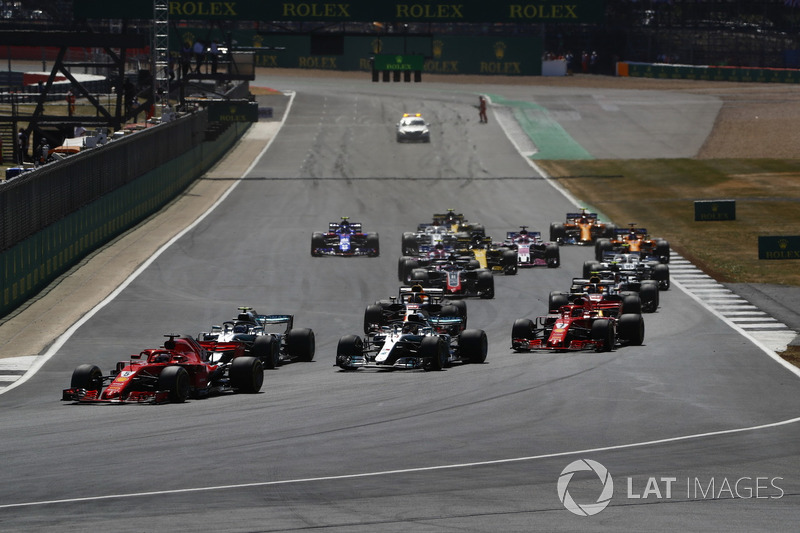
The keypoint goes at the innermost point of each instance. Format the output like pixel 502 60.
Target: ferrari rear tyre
pixel 473 345
pixel 301 344
pixel 175 380
pixel 555 300
pixel 246 374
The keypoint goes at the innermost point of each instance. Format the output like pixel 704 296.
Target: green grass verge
pixel 659 194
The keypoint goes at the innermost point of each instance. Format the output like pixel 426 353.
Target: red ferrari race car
pixel 583 325
pixel 172 373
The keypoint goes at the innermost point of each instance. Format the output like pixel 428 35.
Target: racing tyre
pixel 631 302
pixel 611 231
pixel 555 300
pixel 174 379
pixel 267 349
pixel 461 305
pixel 556 231
pixel 662 250
pixel 473 264
pixel 349 346
pixel 247 374
pixel 405 266
pixel 450 310
pixel 631 329
pixel 317 242
pixel 552 255
pixel 601 247
pixel 603 330
pixel 510 262
pixel 409 244
pixel 301 344
pixel 522 329
pixel 661 275
pixel 473 345
pixel 434 353
pixel 589 267
pixel 373 315
pixel 419 275
pixel 478 229
pixel 373 245
pixel 485 285
pixel 648 293
pixel 87 377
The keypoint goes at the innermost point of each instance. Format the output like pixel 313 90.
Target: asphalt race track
pixel 698 428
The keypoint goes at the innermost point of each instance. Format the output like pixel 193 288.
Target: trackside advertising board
pixel 782 247
pixel 714 210
pixel 473 11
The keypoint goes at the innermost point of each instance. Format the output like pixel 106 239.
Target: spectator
pixel 213 53
pixel 22 146
pixel 199 55
pixel 186 59
pixel 70 102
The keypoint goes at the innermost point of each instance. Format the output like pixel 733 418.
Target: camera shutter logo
pixel 586 509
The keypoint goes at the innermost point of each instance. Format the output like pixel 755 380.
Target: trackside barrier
pixel 708 73
pixel 35 261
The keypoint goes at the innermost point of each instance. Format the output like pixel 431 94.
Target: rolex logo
pixel 499 50
pixel 437 49
pixel 783 244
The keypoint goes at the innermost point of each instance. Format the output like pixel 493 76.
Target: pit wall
pixel 34 262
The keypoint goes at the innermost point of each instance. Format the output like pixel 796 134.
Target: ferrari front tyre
pixel 522 329
pixel 267 349
pixel 174 380
pixel 373 316
pixel 301 344
pixel 246 374
pixel 87 377
pixel 603 332
pixel 317 243
pixel 349 346
pixel 631 329
pixel 434 353
pixel 473 345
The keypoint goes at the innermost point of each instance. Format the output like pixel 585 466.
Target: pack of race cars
pixel 423 327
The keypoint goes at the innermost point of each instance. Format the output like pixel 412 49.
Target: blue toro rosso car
pixel 344 238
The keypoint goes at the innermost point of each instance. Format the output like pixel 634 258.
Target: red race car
pixel 584 324
pixel 172 373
